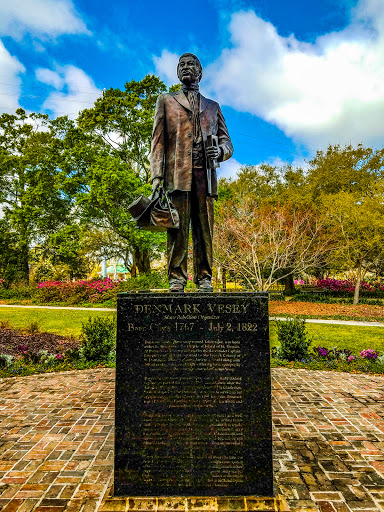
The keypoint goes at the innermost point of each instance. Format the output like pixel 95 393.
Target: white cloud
pixel 166 66
pixel 77 90
pixel 50 77
pixel 229 168
pixel 278 162
pixel 328 91
pixel 40 17
pixel 11 69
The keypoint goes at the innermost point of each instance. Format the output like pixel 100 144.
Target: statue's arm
pixel 225 144
pixel 158 142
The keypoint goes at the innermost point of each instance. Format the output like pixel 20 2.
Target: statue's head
pixel 189 69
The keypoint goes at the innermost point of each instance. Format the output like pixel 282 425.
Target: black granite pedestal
pixel 193 410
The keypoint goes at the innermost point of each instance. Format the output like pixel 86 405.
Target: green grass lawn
pixel 64 322
pixel 352 337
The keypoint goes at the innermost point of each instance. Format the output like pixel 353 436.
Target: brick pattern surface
pixel 56 441
pixel 329 440
pixel 56 444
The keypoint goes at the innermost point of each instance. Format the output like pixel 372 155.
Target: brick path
pixel 56 441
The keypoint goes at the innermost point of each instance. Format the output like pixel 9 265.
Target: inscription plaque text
pixel 193 413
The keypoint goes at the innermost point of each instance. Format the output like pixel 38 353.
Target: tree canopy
pixel 65 188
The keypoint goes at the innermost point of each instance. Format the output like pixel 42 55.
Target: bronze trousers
pixel 194 208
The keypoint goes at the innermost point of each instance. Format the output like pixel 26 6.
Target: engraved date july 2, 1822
pixel 232 327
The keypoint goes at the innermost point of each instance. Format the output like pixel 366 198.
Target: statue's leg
pixel 177 243
pixel 202 229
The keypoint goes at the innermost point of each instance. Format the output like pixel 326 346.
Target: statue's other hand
pixel 213 152
pixel 156 184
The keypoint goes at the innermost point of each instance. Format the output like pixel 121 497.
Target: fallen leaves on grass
pixel 360 311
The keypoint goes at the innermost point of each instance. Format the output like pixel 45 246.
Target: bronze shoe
pixel 205 286
pixel 176 286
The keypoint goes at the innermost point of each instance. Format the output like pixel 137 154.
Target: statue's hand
pixel 213 152
pixel 155 185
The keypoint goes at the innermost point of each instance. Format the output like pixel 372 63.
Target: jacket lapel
pixel 181 98
pixel 203 103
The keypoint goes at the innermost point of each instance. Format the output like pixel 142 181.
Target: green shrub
pixel 72 354
pixel 17 291
pixel 6 360
pixel 97 339
pixel 292 335
pixel 43 295
pixel 33 327
pixel 148 281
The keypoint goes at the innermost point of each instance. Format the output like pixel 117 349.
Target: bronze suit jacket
pixel 172 139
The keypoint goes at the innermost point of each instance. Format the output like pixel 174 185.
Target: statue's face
pixel 188 70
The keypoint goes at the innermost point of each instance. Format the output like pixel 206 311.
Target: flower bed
pixel 45 352
pixel 78 291
pixel 345 285
pixel 94 291
pixel 323 358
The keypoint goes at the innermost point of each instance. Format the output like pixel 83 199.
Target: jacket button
pixel 189 152
pixel 189 134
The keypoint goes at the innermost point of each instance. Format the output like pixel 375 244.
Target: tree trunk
pixel 357 286
pixel 289 285
pixel 224 278
pixel 141 260
pixel 24 263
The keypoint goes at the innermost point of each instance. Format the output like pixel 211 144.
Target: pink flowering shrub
pixel 78 291
pixel 351 358
pixel 369 353
pixel 95 290
pixel 345 285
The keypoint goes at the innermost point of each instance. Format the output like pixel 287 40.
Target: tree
pixel 266 185
pixel 10 266
pixel 30 194
pixel 261 182
pixel 360 227
pixel 124 119
pixel 107 160
pixel 348 183
pixel 104 187
pixel 66 248
pixel 266 245
pixel 344 169
pixel 105 244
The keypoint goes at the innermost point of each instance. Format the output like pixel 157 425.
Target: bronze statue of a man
pixel 184 157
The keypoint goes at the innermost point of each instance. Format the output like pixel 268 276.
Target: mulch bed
pixel 326 310
pixel 11 339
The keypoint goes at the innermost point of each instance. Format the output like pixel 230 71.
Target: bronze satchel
pixel 156 213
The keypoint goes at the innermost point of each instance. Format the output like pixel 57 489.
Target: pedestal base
pixel 195 504
pixel 193 396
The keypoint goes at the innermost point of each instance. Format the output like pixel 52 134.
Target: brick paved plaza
pixel 56 451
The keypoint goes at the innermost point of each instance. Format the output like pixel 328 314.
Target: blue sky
pixel 291 77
